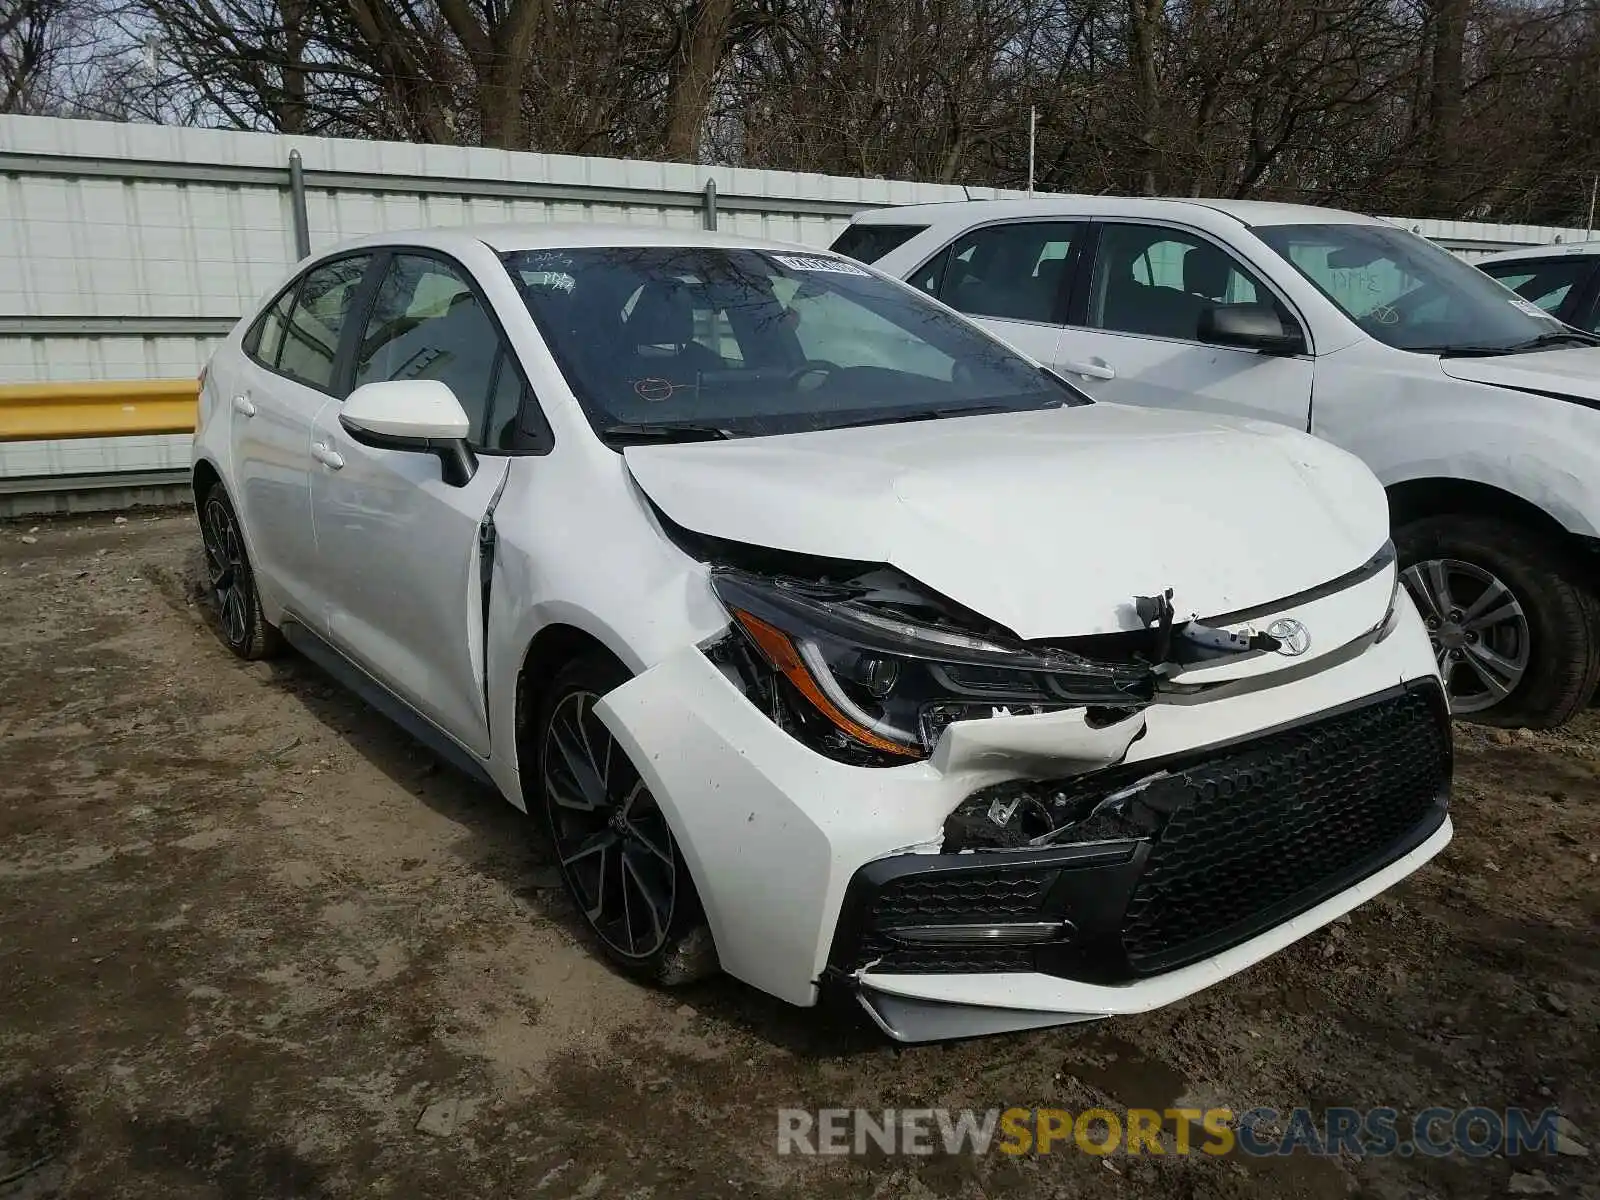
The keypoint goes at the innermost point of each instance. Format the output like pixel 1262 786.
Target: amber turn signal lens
pixel 781 653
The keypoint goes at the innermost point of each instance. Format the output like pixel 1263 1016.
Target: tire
pixel 231 582
pixel 1544 654
pixel 618 858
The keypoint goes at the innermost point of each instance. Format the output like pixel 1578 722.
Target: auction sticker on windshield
pixel 797 263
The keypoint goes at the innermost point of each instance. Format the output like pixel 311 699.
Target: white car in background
pixel 1564 280
pixel 834 641
pixel 1479 412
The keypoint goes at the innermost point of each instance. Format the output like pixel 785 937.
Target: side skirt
pixel 385 701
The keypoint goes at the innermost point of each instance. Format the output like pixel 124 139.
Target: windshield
pixel 664 341
pixel 1409 293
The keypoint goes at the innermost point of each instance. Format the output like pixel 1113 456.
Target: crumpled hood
pixel 1047 522
pixel 1570 371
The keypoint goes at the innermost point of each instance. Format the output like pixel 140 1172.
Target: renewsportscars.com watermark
pixel 1257 1132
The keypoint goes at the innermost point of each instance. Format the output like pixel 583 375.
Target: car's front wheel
pixel 232 582
pixel 1516 635
pixel 618 857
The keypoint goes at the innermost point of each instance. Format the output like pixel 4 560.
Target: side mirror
pixel 419 415
pixel 1249 327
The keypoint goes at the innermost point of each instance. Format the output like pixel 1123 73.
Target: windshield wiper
pixel 892 417
pixel 664 431
pixel 1465 351
pixel 1555 338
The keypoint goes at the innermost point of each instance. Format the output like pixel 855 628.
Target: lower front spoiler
pixel 925 1008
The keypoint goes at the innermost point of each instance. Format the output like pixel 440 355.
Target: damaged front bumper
pixel 1291 804
pixel 1207 854
pixel 920 1008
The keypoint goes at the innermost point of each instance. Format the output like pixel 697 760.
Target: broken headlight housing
pixel 868 683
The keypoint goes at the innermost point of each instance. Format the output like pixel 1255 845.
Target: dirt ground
pixel 250 934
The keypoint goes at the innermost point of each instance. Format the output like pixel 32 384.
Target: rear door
pixel 285 380
pixel 1012 277
pixel 405 553
pixel 1134 337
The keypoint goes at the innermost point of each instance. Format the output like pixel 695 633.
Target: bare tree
pixel 1474 108
pixel 38 41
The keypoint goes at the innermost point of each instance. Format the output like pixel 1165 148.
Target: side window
pixel 311 336
pixel 1154 280
pixel 1547 284
pixel 265 338
pixel 1017 272
pixel 427 323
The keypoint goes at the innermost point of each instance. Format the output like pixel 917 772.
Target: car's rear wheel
pixel 232 583
pixel 618 857
pixel 1516 636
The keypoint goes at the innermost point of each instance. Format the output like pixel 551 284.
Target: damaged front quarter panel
pixel 772 831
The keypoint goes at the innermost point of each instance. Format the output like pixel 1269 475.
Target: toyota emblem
pixel 1293 638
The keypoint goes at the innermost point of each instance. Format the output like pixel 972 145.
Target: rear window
pixel 869 243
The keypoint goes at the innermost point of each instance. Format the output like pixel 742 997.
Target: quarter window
pixel 1150 279
pixel 311 336
pixel 506 401
pixel 427 323
pixel 1016 272
pixel 265 338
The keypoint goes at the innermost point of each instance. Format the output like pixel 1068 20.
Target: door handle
pixel 242 406
pixel 327 456
pixel 1095 368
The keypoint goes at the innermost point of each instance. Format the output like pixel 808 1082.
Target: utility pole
pixel 1033 127
pixel 1594 185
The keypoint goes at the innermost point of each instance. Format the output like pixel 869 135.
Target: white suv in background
pixel 1476 409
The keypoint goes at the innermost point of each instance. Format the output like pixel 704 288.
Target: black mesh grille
pixel 953 898
pixel 1283 823
pixel 893 957
pixel 966 897
pixel 1220 845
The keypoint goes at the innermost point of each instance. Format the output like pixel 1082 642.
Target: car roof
pixel 567 235
pixel 1247 212
pixel 1554 250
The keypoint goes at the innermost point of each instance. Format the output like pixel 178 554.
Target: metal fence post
pixel 297 206
pixel 711 204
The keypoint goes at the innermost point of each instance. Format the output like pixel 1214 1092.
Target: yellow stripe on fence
pixel 107 408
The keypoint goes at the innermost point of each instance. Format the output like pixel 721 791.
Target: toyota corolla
pixel 833 642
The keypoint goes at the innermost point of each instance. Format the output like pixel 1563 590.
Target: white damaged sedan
pixel 835 643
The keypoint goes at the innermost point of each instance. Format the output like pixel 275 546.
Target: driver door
pixel 1140 345
pixel 401 547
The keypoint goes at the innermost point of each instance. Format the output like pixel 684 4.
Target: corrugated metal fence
pixel 127 250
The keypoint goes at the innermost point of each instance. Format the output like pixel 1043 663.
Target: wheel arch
pixel 203 478
pixel 1413 499
pixel 551 648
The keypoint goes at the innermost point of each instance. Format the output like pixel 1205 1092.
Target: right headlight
pixel 867 684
